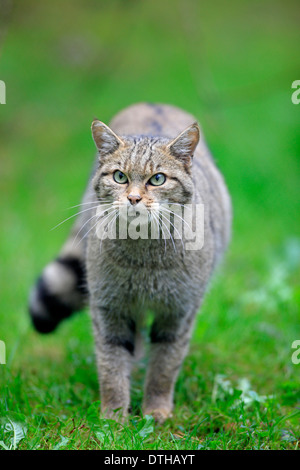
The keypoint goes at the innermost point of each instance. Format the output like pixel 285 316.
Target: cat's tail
pixel 61 288
pixel 58 292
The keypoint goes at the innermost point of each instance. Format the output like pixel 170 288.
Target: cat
pixel 150 155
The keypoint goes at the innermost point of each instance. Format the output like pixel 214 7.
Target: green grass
pixel 65 63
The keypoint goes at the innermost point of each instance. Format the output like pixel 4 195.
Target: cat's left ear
pixel 105 139
pixel 183 147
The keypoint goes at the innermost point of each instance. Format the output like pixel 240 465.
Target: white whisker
pixel 175 214
pixel 91 202
pixel 95 215
pixel 71 217
pixel 169 234
pixel 97 221
pixel 161 213
pixel 156 218
pixel 105 219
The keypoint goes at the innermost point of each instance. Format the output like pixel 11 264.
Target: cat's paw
pixel 159 414
pixel 118 415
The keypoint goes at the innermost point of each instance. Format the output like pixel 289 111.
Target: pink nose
pixel 134 198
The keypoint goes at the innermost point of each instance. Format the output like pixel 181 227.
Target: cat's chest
pixel 148 276
pixel 140 269
pixel 143 255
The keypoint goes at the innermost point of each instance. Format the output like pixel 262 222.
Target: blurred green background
pixel 231 64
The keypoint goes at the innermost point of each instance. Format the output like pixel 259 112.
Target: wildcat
pixel 151 154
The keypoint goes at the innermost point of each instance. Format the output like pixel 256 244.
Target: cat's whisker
pixel 95 215
pixel 156 218
pixel 168 219
pixel 96 203
pixel 110 224
pixel 91 218
pixel 175 215
pixel 97 221
pixel 169 234
pixel 162 206
pixel 165 238
pixel 105 219
pixel 71 217
pixel 86 234
pixel 115 214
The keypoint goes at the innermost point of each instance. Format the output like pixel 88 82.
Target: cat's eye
pixel 157 180
pixel 119 177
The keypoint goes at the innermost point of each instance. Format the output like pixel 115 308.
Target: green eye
pixel 119 177
pixel 157 180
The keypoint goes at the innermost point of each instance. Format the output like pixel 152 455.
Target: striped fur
pixel 125 278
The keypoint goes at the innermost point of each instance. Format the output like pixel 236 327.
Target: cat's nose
pixel 134 199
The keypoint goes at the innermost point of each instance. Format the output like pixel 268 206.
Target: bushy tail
pixel 61 289
pixel 58 292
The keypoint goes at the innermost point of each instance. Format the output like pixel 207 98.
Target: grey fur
pixel 128 277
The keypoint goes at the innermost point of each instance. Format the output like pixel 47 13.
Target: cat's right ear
pixel 105 139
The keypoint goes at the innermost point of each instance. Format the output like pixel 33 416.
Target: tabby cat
pixel 149 156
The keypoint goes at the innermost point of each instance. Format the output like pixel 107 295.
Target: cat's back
pixel 154 119
pixel 151 119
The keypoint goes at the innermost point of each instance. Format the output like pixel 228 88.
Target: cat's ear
pixel 105 139
pixel 183 146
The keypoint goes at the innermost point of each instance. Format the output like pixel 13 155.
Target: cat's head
pixel 144 170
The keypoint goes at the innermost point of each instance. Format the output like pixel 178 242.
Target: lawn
pixel 231 65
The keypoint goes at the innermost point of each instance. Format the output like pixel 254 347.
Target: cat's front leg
pixel 114 338
pixel 169 345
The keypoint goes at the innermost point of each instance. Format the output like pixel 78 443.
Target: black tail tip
pixel 58 292
pixel 46 309
pixel 41 324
